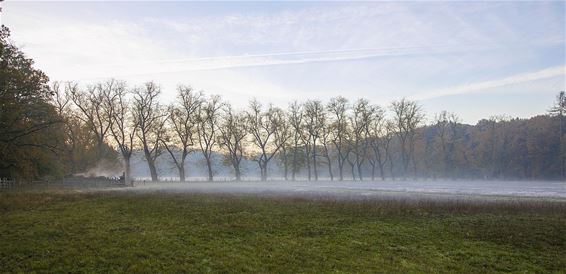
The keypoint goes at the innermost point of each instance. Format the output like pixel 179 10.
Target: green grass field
pixel 49 231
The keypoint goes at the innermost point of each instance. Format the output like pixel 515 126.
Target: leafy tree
pixel 30 127
pixel 558 110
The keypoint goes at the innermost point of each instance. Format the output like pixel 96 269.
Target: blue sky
pixel 473 58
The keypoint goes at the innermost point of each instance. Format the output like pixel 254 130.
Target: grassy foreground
pixel 126 232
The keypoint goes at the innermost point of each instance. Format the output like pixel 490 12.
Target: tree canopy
pixel 29 135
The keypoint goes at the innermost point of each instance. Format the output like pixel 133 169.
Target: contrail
pixel 510 80
pixel 270 59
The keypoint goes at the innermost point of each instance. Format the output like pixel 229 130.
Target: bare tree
pixel 407 115
pixel 338 109
pixel 387 138
pixel 351 156
pixel 62 102
pixel 150 120
pixel 295 118
pixel 307 146
pixel 262 125
pixel 378 141
pixel 283 137
pixel 182 123
pixel 207 127
pixel 361 121
pixel 314 124
pixel 232 137
pixel 123 127
pixel 326 142
pixel 94 109
pixel 446 132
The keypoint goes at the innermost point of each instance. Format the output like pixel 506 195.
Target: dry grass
pixel 64 231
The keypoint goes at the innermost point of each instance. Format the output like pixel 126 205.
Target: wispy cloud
pixel 270 59
pixel 381 51
pixel 491 84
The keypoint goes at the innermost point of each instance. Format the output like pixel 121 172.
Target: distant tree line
pixel 337 139
pixel 64 128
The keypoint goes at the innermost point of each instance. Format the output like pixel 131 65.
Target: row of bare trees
pixel 339 138
pixel 52 131
pixel 307 135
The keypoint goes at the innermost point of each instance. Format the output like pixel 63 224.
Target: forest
pixel 49 130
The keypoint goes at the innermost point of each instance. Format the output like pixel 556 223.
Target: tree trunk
pixel 381 172
pixel 127 172
pixel 150 164
pixel 308 165
pixel 181 168
pixel 285 165
pixel 263 171
pixel 152 170
pixel 341 168
pixel 391 167
pixel 404 156
pixel 209 166
pixel 294 168
pixel 352 167
pixel 329 167
pixel 237 171
pixel 314 162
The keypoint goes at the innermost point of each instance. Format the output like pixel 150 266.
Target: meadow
pixel 109 232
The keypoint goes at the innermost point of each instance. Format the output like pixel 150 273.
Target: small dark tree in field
pixel 232 136
pixel 181 122
pixel 150 118
pixel 207 128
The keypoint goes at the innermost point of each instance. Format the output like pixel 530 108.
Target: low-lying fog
pixel 366 189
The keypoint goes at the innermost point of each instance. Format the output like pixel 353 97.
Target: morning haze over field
pixel 282 137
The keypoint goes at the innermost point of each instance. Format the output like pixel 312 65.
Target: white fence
pixel 5 182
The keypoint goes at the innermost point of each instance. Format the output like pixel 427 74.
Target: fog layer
pixel 446 188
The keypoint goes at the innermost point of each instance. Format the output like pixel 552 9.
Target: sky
pixel 476 59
